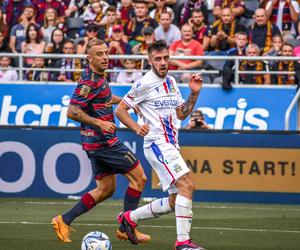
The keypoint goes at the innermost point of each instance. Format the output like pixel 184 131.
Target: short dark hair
pixel 242 33
pixel 287 44
pixel 111 9
pixel 157 45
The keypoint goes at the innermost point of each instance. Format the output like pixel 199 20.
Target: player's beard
pixel 157 72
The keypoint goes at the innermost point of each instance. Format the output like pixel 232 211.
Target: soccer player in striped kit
pixel 91 105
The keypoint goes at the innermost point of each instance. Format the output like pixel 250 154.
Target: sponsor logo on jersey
pixel 85 90
pixel 165 103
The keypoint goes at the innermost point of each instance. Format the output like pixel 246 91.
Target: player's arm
pixel 123 115
pixel 76 114
pixel 186 108
pixel 115 99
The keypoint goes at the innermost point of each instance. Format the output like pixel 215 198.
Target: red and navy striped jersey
pixel 93 96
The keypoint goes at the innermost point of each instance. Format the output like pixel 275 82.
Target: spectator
pixel 3 25
pixel 110 19
pixel 12 10
pixel 75 8
pixel 117 46
pixel 284 13
pixel 200 28
pixel 4 47
pixel 67 64
pixel 55 46
pixel 166 30
pixel 7 73
pixel 275 50
pixel 129 77
pixel 187 46
pixel 142 48
pixel 262 31
pixel 187 7
pixel 197 121
pixel 50 23
pixel 228 68
pixel 141 20
pixel 250 65
pixel 37 75
pixel 32 43
pixel 223 32
pixel 93 13
pixel 290 66
pixel 126 11
pixel 149 37
pixel 237 7
pixel 17 34
pixel 42 5
pixel 90 33
pixel 160 7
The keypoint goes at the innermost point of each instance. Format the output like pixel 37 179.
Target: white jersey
pixel 157 100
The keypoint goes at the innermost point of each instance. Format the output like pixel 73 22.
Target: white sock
pixel 152 210
pixel 184 214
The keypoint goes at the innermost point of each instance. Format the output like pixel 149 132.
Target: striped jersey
pixel 93 96
pixel 157 99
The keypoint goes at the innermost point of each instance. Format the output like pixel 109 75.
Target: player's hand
pixel 143 130
pixel 106 126
pixel 195 83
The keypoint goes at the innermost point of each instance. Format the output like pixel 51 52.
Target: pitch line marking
pixel 119 204
pixel 159 226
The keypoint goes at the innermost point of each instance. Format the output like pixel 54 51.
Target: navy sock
pixel 86 203
pixel 131 202
pixel 131 199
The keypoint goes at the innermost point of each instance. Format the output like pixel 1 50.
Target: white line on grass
pixel 160 226
pixel 194 206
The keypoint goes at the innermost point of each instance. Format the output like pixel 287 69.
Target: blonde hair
pixel 94 42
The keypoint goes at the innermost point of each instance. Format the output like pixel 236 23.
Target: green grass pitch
pixel 25 225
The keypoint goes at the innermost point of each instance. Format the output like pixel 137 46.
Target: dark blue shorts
pixel 117 159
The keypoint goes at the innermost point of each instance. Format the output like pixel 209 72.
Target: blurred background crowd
pixel 190 27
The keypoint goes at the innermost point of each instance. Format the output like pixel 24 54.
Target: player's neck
pixel 158 76
pixel 96 71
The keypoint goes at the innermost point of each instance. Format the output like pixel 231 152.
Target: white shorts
pixel 168 164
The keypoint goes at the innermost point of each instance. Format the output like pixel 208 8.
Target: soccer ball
pixel 96 241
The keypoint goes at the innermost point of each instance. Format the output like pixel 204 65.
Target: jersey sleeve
pixel 83 94
pixel 136 94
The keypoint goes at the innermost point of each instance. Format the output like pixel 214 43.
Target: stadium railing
pixel 237 59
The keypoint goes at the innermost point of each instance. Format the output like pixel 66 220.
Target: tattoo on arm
pixel 76 114
pixel 189 104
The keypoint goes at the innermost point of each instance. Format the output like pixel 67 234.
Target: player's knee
pixel 104 193
pixel 186 184
pixel 143 180
pixel 108 193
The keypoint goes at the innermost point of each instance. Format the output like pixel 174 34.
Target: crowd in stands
pixel 190 27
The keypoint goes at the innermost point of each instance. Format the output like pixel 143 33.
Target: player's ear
pixel 88 57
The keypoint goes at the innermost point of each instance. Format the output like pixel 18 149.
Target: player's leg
pixel 61 223
pixel 154 209
pixel 137 180
pixel 106 183
pixel 118 159
pixel 157 207
pixel 133 171
pixel 184 214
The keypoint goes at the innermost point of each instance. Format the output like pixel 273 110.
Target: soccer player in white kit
pixel 159 100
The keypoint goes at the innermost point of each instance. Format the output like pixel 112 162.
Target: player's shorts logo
pixel 177 168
